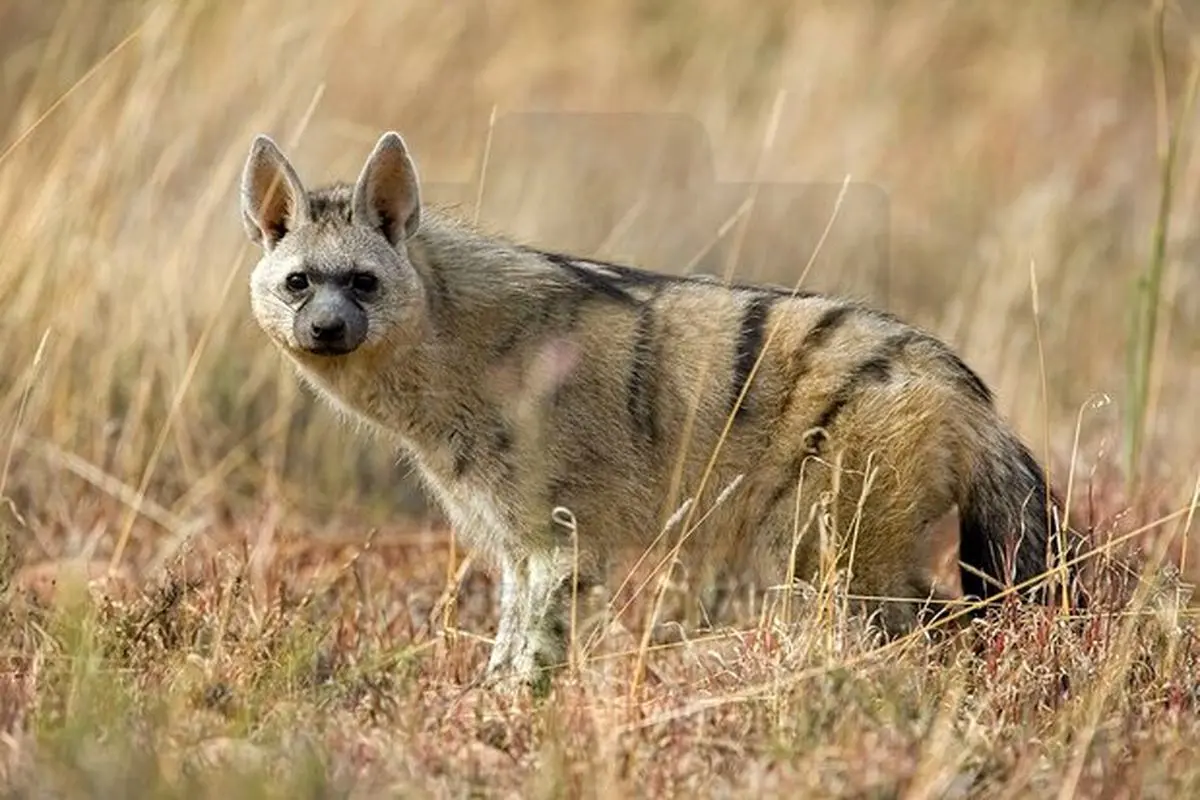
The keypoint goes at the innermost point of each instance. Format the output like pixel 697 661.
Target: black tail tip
pixel 1012 532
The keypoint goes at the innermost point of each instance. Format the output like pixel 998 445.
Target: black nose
pixel 329 330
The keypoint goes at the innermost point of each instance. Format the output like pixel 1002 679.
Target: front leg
pixel 513 590
pixel 531 639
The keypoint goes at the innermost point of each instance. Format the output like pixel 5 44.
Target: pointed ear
pixel 387 197
pixel 273 200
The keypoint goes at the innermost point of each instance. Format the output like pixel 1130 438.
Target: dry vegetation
pixel 271 625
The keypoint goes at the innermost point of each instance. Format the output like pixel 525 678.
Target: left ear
pixel 386 196
pixel 273 199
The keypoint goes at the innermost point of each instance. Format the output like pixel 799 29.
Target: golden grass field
pixel 263 616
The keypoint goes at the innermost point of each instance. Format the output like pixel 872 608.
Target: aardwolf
pixel 521 380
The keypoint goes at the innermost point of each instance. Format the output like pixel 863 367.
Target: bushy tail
pixel 1010 527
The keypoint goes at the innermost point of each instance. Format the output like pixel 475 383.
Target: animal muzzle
pixel 330 324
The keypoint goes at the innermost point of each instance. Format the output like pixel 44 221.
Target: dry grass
pixel 145 423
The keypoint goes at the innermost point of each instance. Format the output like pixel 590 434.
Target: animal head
pixel 335 276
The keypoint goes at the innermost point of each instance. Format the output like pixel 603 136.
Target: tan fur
pixel 519 381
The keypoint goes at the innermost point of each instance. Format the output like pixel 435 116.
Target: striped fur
pixel 520 380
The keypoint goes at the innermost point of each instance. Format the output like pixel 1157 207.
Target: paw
pixel 511 681
pixel 523 670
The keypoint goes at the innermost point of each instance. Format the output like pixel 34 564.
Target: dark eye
pixel 364 282
pixel 296 281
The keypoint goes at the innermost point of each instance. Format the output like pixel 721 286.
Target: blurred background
pixel 980 144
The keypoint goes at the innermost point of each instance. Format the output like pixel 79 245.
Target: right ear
pixel 387 195
pixel 273 200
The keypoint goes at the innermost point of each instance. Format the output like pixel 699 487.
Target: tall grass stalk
pixel 1149 284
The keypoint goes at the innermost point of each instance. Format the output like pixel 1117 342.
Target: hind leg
pixel 899 609
pixel 924 584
